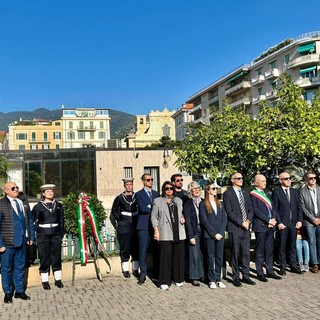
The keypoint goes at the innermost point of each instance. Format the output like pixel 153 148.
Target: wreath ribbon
pixel 84 208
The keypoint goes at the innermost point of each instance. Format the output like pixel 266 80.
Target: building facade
pixel 182 118
pixel 249 84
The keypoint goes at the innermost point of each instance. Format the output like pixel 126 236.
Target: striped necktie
pixel 242 206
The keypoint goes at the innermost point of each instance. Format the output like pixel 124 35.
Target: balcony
pixel 238 87
pixel 272 73
pixel 197 121
pixel 213 99
pixel 242 101
pixel 260 79
pixel 272 95
pixel 258 99
pixel 303 60
pixel 195 109
pixel 307 82
pixel 86 128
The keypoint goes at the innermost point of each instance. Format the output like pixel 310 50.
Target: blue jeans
pixel 314 243
pixel 303 253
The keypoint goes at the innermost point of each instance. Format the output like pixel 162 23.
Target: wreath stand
pixel 95 256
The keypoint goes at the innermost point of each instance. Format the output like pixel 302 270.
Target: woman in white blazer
pixel 168 223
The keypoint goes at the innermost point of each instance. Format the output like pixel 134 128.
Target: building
pixel 35 134
pixel 182 118
pixel 249 84
pixel 151 128
pixel 85 127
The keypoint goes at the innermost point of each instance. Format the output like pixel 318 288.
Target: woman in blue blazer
pixel 214 221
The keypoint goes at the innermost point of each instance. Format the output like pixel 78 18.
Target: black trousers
pixel 264 251
pixel 171 266
pixel 49 247
pixel 128 243
pixel 287 239
pixel 240 245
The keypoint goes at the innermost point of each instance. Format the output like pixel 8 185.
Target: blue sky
pixel 133 56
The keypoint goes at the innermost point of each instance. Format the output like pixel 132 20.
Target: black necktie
pixel 288 197
pixel 242 206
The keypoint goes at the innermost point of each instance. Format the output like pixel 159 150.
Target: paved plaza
pixel 294 297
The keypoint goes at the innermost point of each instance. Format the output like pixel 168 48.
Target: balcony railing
pixel 213 99
pixel 307 59
pixel 195 109
pixel 240 86
pixel 242 101
pixel 306 82
pixel 86 128
pixel 272 73
pixel 272 94
pixel 260 79
pixel 258 99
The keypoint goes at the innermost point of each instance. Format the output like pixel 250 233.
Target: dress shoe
pixel 21 296
pixel 135 273
pixel 58 283
pixel 273 276
pixel 46 285
pixel 7 298
pixel 295 270
pixel 237 283
pixel 195 283
pixel 262 278
pixel 247 280
pixel 142 280
pixel 315 268
pixel 282 271
pixel 126 274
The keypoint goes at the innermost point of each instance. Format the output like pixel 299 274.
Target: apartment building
pixel 85 127
pixel 182 118
pixel 35 134
pixel 249 84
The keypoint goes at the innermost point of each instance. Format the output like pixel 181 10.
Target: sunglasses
pixel 213 188
pixel 148 180
pixel 239 178
pixel 168 188
pixel 196 189
pixel 286 178
pixel 179 180
pixel 14 188
pixel 312 178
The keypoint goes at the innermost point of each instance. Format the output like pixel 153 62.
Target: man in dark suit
pixel 286 203
pixel 16 231
pixel 263 223
pixel 144 199
pixel 238 207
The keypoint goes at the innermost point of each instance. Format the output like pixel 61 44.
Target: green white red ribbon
pixel 83 208
pixel 262 196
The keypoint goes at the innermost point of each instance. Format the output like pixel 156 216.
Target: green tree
pixel 4 166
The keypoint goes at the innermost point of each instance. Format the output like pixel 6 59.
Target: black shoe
pixel 247 280
pixel 262 278
pixel 273 276
pixel 282 271
pixel 46 285
pixel 296 270
pixel 142 280
pixel 195 283
pixel 21 296
pixel 8 298
pixel 126 274
pixel 135 273
pixel 237 283
pixel 58 283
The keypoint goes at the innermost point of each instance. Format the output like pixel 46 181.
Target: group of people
pixel 17 231
pixel 187 231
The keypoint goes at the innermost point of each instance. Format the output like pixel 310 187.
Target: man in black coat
pixel 286 203
pixel 238 207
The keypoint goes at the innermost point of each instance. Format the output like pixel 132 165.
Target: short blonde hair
pixel 193 185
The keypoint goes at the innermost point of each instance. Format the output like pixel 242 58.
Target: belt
pixel 48 225
pixel 129 214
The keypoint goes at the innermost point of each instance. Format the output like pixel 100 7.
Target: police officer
pixel 49 220
pixel 124 218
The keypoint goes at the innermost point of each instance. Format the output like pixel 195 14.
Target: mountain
pixel 120 123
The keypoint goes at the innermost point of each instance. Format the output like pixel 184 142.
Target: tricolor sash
pixel 261 195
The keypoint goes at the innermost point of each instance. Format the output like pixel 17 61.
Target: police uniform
pixel 124 218
pixel 49 220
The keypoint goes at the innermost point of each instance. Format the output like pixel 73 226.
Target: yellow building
pixel 35 134
pixel 150 128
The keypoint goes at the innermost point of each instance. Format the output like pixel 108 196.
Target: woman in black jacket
pixel 214 221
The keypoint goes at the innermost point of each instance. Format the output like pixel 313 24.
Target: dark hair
pixel 144 175
pixel 207 202
pixel 174 176
pixel 163 188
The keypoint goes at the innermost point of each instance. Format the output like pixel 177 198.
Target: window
pixel 22 147
pixel 91 125
pixel 127 172
pixel 308 95
pixel 260 91
pixel 56 135
pixel 102 135
pixel 45 136
pixel 273 64
pixel 141 120
pixel 91 135
pixel 70 125
pixel 154 172
pixel 286 59
pixel 57 124
pixel 57 146
pixel 81 135
pixel 101 124
pixel 309 74
pixel 33 136
pixel 81 125
pixel 34 147
pixel 259 71
pixel 45 146
pixel 71 135
pixel 166 131
pixel 21 136
pixel 274 85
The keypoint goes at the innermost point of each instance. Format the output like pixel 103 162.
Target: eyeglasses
pixel 213 188
pixel 168 188
pixel 312 178
pixel 179 180
pixel 238 178
pixel 195 189
pixel 148 180
pixel 14 188
pixel 286 178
